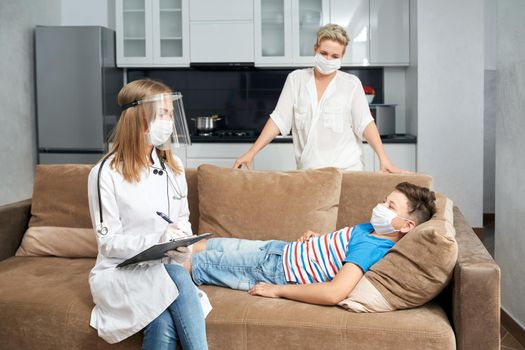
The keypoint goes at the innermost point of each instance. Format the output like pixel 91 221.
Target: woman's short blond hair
pixel 333 32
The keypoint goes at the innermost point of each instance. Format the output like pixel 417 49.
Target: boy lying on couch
pixel 317 269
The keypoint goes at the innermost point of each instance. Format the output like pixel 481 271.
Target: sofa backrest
pixel 360 192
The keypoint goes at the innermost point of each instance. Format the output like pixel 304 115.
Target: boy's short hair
pixel 421 201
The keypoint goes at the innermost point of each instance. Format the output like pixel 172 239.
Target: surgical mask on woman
pixel 160 131
pixel 325 66
pixel 382 219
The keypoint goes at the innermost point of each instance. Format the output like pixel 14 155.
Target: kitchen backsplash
pixel 243 97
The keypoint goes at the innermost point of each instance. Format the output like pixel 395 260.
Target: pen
pixel 165 217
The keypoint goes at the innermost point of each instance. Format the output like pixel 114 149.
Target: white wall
pixel 489 124
pixel 411 74
pixel 17 131
pixel 88 13
pixel 510 158
pixel 450 52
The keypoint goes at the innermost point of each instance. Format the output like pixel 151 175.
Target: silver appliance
pixel 77 83
pixel 385 118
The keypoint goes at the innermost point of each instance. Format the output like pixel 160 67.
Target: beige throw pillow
pixel 267 205
pixel 67 242
pixel 60 224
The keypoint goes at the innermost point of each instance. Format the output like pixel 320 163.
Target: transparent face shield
pixel 167 126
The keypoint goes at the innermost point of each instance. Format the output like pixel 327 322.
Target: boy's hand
pixel 265 290
pixel 307 235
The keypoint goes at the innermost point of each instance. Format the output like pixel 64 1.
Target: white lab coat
pixel 328 132
pixel 128 299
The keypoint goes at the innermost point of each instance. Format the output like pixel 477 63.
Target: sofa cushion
pixel 241 321
pixel 267 205
pixel 60 223
pixel 67 242
pixel 361 191
pixel 414 271
pixel 45 303
pixel 60 196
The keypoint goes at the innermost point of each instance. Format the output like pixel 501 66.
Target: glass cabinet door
pixel 272 31
pixel 309 16
pixel 133 31
pixel 353 15
pixel 170 31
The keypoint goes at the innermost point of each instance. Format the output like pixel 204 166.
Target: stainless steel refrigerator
pixel 77 83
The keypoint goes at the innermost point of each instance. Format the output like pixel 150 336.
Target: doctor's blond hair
pixel 129 137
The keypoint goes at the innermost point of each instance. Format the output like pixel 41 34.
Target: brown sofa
pixel 45 302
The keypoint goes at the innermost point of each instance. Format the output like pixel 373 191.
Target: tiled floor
pixel 508 342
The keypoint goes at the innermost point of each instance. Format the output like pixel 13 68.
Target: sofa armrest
pixel 14 219
pixel 475 291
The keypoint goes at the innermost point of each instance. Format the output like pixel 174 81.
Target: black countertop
pixel 395 138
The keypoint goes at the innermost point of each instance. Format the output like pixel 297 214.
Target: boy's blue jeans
pixel 239 263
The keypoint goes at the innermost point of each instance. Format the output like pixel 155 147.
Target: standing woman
pixel 326 110
pixel 139 177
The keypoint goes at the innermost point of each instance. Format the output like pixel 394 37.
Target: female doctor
pixel 326 110
pixel 139 177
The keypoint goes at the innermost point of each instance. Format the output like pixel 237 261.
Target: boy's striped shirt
pixel 317 260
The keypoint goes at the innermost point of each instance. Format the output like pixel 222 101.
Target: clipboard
pixel 157 251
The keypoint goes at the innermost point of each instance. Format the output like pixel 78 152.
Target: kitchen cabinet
pixel 286 30
pixel 181 153
pixel 368 157
pixel 353 15
pixel 216 42
pixel 221 31
pixel 152 33
pixel 402 155
pixel 220 154
pixel 307 17
pixel 281 156
pixel 275 156
pixel 389 32
pixel 273 32
pixel 378 31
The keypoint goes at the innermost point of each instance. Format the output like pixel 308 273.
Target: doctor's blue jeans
pixel 183 320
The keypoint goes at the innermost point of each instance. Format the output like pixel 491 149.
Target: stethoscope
pixel 103 229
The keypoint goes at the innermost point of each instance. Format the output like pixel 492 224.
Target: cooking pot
pixel 205 124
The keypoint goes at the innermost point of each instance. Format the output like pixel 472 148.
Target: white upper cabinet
pixel 307 17
pixel 286 30
pixel 353 15
pixel 273 32
pixel 152 33
pixel 221 10
pixel 221 31
pixel 389 32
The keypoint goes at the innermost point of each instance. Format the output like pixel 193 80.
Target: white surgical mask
pixel 382 219
pixel 160 131
pixel 325 66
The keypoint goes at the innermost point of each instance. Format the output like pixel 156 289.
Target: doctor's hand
pixel 172 232
pixel 307 235
pixel 265 290
pixel 180 255
pixel 246 160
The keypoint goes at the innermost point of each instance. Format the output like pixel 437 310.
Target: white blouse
pixel 328 132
